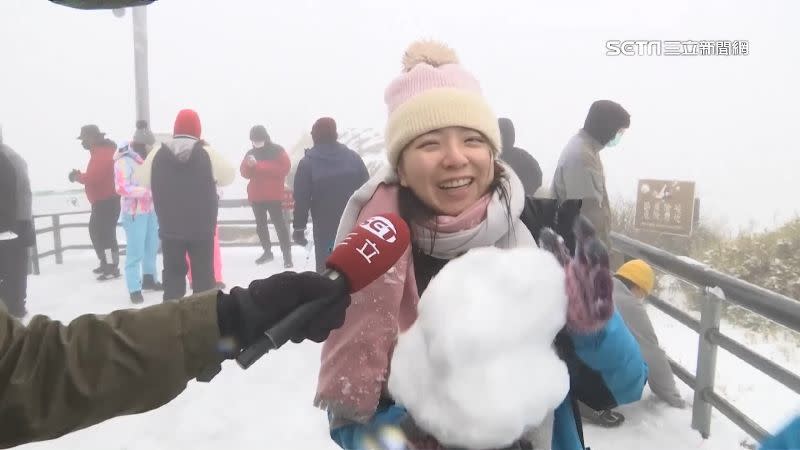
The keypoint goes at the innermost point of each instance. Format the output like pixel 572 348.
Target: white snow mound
pixel 478 368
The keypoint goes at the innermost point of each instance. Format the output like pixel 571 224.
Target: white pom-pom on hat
pixel 429 52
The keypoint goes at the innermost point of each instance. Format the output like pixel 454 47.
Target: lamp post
pixel 142 86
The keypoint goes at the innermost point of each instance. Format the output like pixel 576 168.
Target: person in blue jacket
pixel 786 439
pixel 326 177
pixel 446 181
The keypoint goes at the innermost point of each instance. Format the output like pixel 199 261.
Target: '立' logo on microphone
pixel 381 227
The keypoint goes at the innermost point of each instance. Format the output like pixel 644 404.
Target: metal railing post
pixel 710 313
pixel 57 239
pixel 33 259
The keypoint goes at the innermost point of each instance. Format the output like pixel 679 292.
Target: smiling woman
pixel 445 179
pixel 448 169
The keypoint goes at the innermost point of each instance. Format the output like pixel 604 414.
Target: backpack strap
pixel 566 351
pixel 559 215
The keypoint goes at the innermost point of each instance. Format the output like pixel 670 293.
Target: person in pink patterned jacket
pixel 138 216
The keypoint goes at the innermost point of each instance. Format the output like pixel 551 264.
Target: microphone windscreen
pixel 370 250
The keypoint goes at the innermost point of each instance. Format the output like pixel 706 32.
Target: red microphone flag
pixel 370 250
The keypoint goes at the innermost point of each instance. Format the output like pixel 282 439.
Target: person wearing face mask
pixel 266 165
pixel 98 181
pixel 138 217
pixel 579 173
pixel 445 179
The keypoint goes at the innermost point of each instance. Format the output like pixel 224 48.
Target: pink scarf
pixel 470 218
pixel 355 358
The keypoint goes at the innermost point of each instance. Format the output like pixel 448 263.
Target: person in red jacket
pixel 266 165
pixel 98 181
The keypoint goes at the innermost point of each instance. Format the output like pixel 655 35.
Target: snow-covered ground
pixel 269 405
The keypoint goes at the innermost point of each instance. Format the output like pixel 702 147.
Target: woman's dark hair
pixel 413 210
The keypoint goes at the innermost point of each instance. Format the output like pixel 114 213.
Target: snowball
pixel 478 367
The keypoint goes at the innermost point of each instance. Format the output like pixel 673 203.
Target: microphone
pixel 366 253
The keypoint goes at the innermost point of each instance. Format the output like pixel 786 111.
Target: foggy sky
pixel 727 123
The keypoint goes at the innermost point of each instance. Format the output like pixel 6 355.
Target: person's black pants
pixel 13 275
pixel 103 229
pixel 201 257
pixel 275 210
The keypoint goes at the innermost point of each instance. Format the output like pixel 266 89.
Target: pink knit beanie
pixel 434 91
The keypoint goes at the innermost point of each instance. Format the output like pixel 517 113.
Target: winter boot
pixel 111 270
pixel 99 269
pixel 149 283
pixel 105 257
pixel 286 251
pixel 137 298
pixel 604 418
pixel 110 273
pixel 266 257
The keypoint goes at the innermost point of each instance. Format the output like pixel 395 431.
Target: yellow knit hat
pixel 434 91
pixel 639 273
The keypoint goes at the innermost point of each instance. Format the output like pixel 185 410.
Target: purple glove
pixel 588 277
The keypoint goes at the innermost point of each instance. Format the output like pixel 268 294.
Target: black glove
pixel 244 314
pixel 73 176
pixel 299 237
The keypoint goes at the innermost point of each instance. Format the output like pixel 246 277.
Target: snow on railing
pixel 718 288
pixel 57 226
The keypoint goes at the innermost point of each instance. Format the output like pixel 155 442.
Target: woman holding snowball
pixel 446 180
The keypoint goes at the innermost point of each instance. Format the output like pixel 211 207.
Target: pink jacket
pixel 136 199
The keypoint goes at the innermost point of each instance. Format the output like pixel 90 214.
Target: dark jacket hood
pixel 327 151
pixel 604 119
pixel 507 132
pixel 181 147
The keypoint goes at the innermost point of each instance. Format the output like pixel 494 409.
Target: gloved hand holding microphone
pixel 292 306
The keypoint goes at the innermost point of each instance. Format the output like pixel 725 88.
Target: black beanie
pixel 507 132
